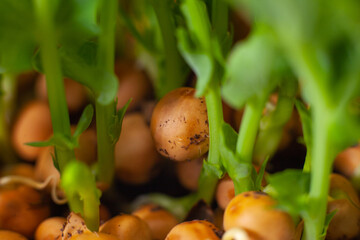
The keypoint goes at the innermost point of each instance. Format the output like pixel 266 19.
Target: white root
pixel 36 185
pixel 236 234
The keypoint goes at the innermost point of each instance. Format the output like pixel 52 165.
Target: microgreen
pixel 323 52
pixel 79 185
pixel 158 38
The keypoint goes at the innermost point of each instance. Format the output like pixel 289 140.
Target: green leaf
pixel 56 140
pixel 85 120
pixel 17 38
pixel 80 188
pixel 115 129
pixel 55 160
pixel 260 175
pixel 236 169
pixel 76 21
pixel 328 219
pixel 290 188
pixel 251 69
pixel 214 169
pixel 199 60
pixel 306 123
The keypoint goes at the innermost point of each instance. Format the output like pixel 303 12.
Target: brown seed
pixel 9 235
pixel 23 209
pixel 50 229
pixel 178 125
pixel 127 227
pixel 135 153
pixel 32 124
pixel 159 220
pixel 195 230
pixel 188 173
pixel 256 214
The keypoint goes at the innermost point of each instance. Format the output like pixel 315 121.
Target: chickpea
pixel 179 125
pixel 32 124
pixel 254 212
pixel 194 230
pixel 9 235
pixel 133 83
pixel 346 222
pixel 127 227
pixel 135 153
pixel 75 93
pixel 159 220
pixel 188 173
pixel 348 162
pixel 50 229
pixel 23 209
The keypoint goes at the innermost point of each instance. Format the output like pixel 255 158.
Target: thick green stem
pixel 106 154
pixel 175 69
pixel 54 80
pixel 105 113
pixel 7 98
pixel 323 150
pixel 208 180
pixel 322 158
pixel 248 130
pixel 246 141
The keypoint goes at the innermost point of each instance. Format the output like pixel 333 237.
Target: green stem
pixel 322 158
pixel 175 68
pixel 106 51
pixel 208 179
pixel 248 130
pixel 246 141
pixel 323 150
pixel 220 18
pixel 105 113
pixel 54 80
pixel 7 98
pixel 106 154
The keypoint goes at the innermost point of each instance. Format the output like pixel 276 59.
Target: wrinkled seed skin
pixel 159 220
pixel 254 212
pixel 194 230
pixel 127 227
pixel 179 125
pixel 9 235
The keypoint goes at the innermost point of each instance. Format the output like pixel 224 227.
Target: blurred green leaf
pixel 17 38
pixel 76 21
pixel 84 121
pixel 236 168
pixel 115 129
pixel 260 175
pixel 251 70
pixel 199 60
pixel 56 140
pixel 290 188
pixel 306 123
pixel 328 219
